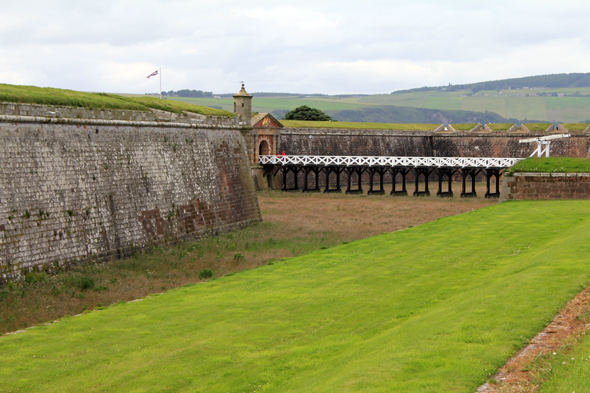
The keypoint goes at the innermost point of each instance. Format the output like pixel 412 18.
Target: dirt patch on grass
pixel 294 224
pixel 349 217
pixel 525 371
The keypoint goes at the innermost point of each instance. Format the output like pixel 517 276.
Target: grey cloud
pixel 373 46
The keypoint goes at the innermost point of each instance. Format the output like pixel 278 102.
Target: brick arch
pixel 263 148
pixel 265 145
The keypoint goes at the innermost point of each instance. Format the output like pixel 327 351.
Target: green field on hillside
pixel 269 104
pixel 510 104
pixel 435 308
pixel 506 103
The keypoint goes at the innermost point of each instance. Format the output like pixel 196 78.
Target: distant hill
pixel 400 114
pixel 540 81
pixel 561 98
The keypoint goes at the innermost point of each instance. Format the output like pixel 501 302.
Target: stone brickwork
pixel 527 186
pixel 350 142
pixel 74 190
pixel 343 142
pixel 65 112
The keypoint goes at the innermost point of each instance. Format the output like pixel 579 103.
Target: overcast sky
pixel 332 47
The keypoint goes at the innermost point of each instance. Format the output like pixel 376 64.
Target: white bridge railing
pixel 441 162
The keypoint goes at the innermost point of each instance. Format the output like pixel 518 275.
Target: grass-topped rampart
pixel 464 127
pixel 435 308
pixel 538 127
pixel 500 126
pixel 552 165
pixel 62 97
pixel 576 127
pixel 358 126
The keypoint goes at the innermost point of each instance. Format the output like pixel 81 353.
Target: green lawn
pixel 576 127
pixel 538 126
pixel 435 308
pixel 500 126
pixel 552 164
pixel 569 370
pixel 51 96
pixel 79 99
pixel 360 126
pixel 464 127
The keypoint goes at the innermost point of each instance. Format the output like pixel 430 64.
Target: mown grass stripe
pixel 433 308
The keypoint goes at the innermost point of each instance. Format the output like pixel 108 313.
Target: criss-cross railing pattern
pixel 371 161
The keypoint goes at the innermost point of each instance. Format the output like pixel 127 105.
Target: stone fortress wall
pixel 75 189
pixel 91 184
pixel 535 186
pixel 479 143
pixel 61 112
pixel 346 142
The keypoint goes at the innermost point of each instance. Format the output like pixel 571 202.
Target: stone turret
pixel 243 106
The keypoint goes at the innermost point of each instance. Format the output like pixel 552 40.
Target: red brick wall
pixel 527 186
pixel 344 142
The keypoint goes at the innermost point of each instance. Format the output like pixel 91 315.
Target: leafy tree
pixel 306 113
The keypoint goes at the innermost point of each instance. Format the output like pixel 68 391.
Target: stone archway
pixel 263 148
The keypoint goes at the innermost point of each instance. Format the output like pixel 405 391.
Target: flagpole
pixel 160 82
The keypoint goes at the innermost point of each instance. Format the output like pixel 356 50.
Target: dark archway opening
pixel 263 148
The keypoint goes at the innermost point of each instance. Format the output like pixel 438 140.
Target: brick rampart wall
pixel 523 186
pixel 73 190
pixel 349 142
pixel 343 142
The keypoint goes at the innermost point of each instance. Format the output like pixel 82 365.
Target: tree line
pixel 188 93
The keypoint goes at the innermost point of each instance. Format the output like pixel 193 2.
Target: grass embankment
pixel 552 165
pixel 62 97
pixel 175 106
pixel 538 126
pixel 429 309
pixel 324 221
pixel 568 370
pixel 464 127
pixel 576 127
pixel 362 126
pixel 500 126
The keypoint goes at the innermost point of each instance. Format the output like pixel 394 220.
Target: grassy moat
pixel 428 308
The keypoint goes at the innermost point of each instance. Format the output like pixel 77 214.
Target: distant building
pixel 261 133
pixel 243 106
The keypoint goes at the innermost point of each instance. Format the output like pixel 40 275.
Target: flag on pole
pixel 152 74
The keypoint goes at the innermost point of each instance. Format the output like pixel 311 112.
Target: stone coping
pixel 550 174
pixel 401 132
pixel 102 122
